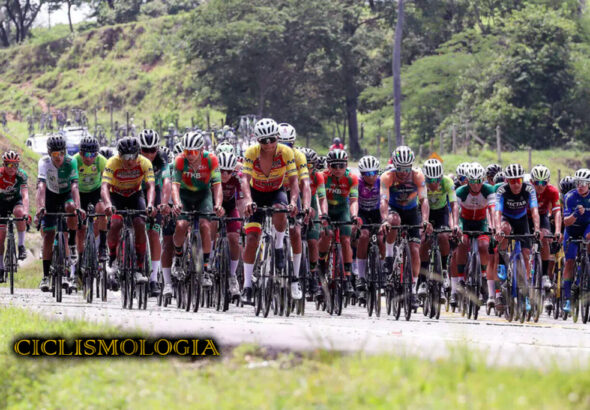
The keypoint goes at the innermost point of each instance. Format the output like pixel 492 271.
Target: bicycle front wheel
pixel 407 282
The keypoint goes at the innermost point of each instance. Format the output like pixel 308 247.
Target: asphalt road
pixel 542 344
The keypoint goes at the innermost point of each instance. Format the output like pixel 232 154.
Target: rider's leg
pixel 101 226
pixel 234 251
pixel 140 241
pixel 445 249
pixel 180 235
pixel 21 226
pixel 205 229
pixel 113 236
pixel 252 239
pixel 155 251
pixel 295 236
pixel 361 252
pixel 461 260
pixel 2 239
pixel 167 253
pixel 72 223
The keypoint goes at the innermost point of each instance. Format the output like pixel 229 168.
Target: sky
pixel 61 16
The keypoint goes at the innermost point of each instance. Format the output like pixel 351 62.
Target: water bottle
pixel 502 272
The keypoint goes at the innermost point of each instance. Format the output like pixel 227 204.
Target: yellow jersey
pixel 127 181
pixel 283 166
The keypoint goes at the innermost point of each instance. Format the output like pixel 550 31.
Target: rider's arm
pixel 422 196
pixel 305 193
pixel 24 193
pixel 166 190
pixel 76 194
pixel 385 184
pixel 151 193
pixel 557 215
pixel 217 194
pixel 294 186
pixel 454 220
pixel 323 205
pixel 569 211
pixel 536 222
pixel 354 207
pixel 105 194
pixel 41 187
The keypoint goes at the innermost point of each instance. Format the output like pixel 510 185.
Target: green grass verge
pixel 27 277
pixel 247 377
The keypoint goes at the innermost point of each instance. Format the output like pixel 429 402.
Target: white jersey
pixel 58 180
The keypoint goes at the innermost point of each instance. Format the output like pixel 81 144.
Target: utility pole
pixel 440 149
pixel 454 134
pixel 498 144
pixel 396 69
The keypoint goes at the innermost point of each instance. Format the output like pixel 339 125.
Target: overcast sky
pixel 61 16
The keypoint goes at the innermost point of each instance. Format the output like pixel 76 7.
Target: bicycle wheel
pixel 304 278
pixel 585 291
pixel 59 256
pixel 476 281
pixel 537 302
pixel 267 275
pixel 224 272
pixel 339 280
pixel 437 285
pixel 10 263
pixel 371 274
pixel 129 263
pixel 407 282
pixel 286 304
pixel 197 264
pixel 575 303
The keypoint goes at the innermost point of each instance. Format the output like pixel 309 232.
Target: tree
pixel 396 68
pixel 55 5
pixel 21 15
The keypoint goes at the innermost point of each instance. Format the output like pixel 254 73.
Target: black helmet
pixel 499 177
pixel 128 145
pixel 56 143
pixel 493 169
pixel 567 184
pixel 106 152
pixel 89 144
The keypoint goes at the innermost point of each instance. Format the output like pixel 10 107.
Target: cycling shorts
pixel 439 218
pixel 520 226
pixel 409 217
pixel 543 223
pixel 54 203
pixel 200 201
pixel 6 208
pixel 341 214
pixel 87 198
pixel 574 232
pixel 264 199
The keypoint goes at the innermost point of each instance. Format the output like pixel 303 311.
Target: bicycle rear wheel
pixel 304 279
pixel 224 272
pixel 407 282
pixel 585 291
pixel 10 263
pixel 339 280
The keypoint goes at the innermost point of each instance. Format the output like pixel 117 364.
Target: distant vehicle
pixel 72 134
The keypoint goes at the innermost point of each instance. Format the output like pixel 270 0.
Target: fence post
pixel 454 142
pixel 530 158
pixel 441 149
pixel 499 144
pixel 390 148
pixel 558 176
pixel 111 110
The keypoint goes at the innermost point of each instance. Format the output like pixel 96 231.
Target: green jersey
pixel 440 198
pixel 58 180
pixel 10 186
pixel 90 177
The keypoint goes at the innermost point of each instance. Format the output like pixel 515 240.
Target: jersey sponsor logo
pixel 512 204
pixel 132 173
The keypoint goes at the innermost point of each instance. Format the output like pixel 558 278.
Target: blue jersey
pixel 515 206
pixel 572 200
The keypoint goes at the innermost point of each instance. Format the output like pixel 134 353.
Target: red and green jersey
pixel 340 190
pixel 200 178
pixel 317 184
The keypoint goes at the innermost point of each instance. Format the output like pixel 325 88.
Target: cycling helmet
pixel 403 156
pixel 287 133
pixel 178 149
pixel 540 173
pixel 567 184
pixel 499 177
pixel 11 156
pixel 493 169
pixel 322 163
pixel 336 141
pixel 193 141
pixel 106 152
pixel 582 174
pixel 149 138
pixel 266 127
pixel 476 171
pixel 433 168
pixel 368 163
pixel 225 147
pixel 56 143
pixel 462 169
pixel 227 161
pixel 337 155
pixel 514 171
pixel 89 144
pixel 167 153
pixel 310 155
pixel 128 145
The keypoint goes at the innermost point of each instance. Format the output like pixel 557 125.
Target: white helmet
pixel 227 161
pixel 266 127
pixel 337 155
pixel 368 163
pixel 514 171
pixel 149 138
pixel 193 140
pixel 310 155
pixel 403 156
pixel 287 133
pixel 462 169
pixel 476 171
pixel 177 150
pixel 225 147
pixel 540 173
pixel 433 168
pixel 582 174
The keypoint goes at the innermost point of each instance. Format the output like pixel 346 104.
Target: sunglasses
pixel 404 169
pixel 129 157
pixel 433 180
pixel 90 154
pixel 338 166
pixel 191 152
pixel 462 178
pixel 582 183
pixel 514 180
pixel 369 173
pixel 476 181
pixel 11 164
pixel 268 140
pixel 150 150
pixel 540 183
pixel 57 154
pixel 227 171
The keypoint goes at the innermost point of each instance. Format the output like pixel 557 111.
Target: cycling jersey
pixel 473 206
pixel 369 196
pixel 127 181
pixel 202 178
pixel 301 164
pixel 572 200
pixel 10 185
pixel 317 184
pixel 58 181
pixel 548 200
pixel 161 170
pixel 232 190
pixel 514 206
pixel 443 195
pixel 404 194
pixel 90 176
pixel 283 167
pixel 339 190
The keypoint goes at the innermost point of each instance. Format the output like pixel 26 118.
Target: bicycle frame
pixel 10 258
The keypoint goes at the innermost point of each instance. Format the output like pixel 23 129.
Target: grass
pixel 27 277
pixel 250 377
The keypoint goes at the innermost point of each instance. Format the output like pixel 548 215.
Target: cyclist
pixel 404 194
pixel 322 163
pixel 197 187
pixel 548 200
pixel 444 212
pixel 106 152
pixel 566 184
pixel 319 209
pixel 14 199
pixel 57 191
pixel 90 167
pixel 268 166
pixel 149 142
pixel 342 194
pixel 336 144
pixel 577 226
pixel 167 154
pixel 225 147
pixel 461 174
pixel 287 136
pixel 513 199
pixel 121 189
pixel 177 150
pixel 475 199
pixel 491 171
pixel 235 189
